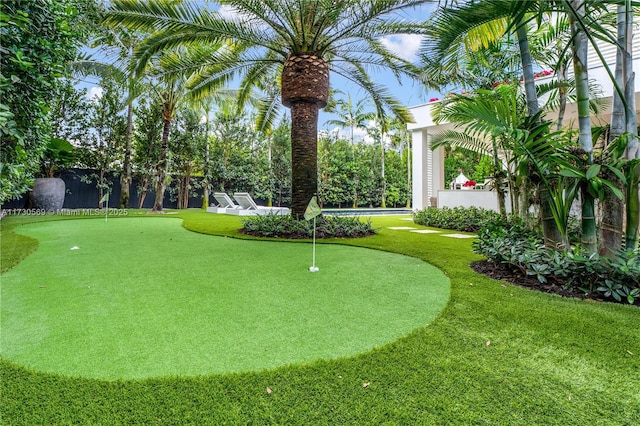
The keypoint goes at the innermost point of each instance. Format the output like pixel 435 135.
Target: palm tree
pixel 171 93
pixel 304 40
pixel 491 120
pixel 471 26
pixel 350 115
pixel 579 49
pixel 120 44
pixel 623 120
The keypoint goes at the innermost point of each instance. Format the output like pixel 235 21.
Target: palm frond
pixel 460 139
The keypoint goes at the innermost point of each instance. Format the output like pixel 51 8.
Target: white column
pixel 420 162
pixel 437 170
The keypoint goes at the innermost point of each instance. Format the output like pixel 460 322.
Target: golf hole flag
pixel 105 199
pixel 313 209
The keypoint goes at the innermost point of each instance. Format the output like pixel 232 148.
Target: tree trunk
pixel 187 181
pixel 633 211
pixel 100 187
pixel 497 180
pixel 143 192
pixel 579 48
pixel 205 169
pixel 611 207
pixel 383 197
pixel 125 176
pixel 633 151
pixel 162 168
pixel 549 227
pixel 553 237
pixel 304 156
pixel 305 89
pixel 527 70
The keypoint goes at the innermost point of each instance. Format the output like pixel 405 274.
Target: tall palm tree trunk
pixel 383 196
pixel 579 48
pixel 305 89
pixel 611 207
pixel 527 70
pixel 633 150
pixel 206 181
pixel 304 157
pixel 125 177
pixel 162 168
pixel 552 235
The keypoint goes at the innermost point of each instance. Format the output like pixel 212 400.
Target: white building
pixel 429 186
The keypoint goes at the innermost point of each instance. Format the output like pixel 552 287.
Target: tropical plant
pixel 39 38
pixel 303 40
pixel 490 121
pixel 57 154
pixel 116 63
pixel 147 134
pixel 187 145
pixel 103 150
pixel 623 120
pixel 350 115
pixel 461 29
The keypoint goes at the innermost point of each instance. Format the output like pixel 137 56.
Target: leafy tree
pixel 171 92
pixel 233 150
pixel 39 38
pixel 116 53
pixel 187 146
pixel 70 113
pixel 303 40
pixel 476 166
pixel 280 183
pixel 336 171
pixel 147 136
pixel 396 183
pixel 103 151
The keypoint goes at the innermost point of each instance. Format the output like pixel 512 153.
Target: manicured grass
pixel 143 297
pixel 497 354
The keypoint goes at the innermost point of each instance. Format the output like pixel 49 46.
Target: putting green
pixel 143 297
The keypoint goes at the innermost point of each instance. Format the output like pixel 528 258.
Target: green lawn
pixel 143 297
pixel 497 354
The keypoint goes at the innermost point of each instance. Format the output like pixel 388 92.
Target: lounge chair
pixel 248 206
pixel 224 203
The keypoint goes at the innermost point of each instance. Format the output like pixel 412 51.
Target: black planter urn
pixel 47 194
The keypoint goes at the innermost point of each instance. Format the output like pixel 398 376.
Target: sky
pixel 407 92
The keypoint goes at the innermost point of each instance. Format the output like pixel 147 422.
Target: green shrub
pixel 516 247
pixel 284 226
pixel 467 219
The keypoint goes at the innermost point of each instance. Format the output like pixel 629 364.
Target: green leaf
pixel 593 171
pixel 619 174
pixel 571 173
pixel 614 189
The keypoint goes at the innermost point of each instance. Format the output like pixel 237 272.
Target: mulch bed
pixel 515 277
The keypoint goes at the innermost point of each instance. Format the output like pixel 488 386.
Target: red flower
pixel 470 183
pixel 434 99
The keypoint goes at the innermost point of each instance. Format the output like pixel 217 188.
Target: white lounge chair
pixel 224 203
pixel 248 206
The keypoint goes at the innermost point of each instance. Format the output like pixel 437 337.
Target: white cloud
pixel 95 93
pixel 229 12
pixel 404 45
